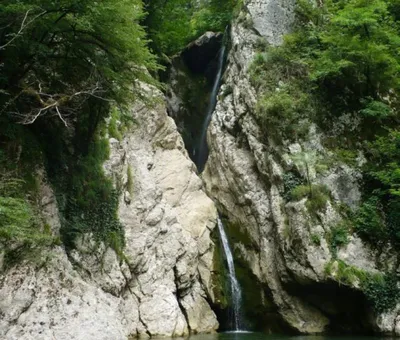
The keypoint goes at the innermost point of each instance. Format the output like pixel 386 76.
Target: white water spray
pixel 234 284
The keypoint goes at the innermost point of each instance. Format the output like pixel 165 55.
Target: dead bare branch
pixel 23 26
pixel 61 105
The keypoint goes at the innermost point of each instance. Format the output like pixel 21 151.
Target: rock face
pixel 190 78
pixel 198 54
pixel 280 243
pixel 161 285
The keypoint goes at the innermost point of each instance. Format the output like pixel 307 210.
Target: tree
pixel 58 54
pixel 173 24
pixel 358 55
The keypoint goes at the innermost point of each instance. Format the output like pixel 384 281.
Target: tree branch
pixel 23 26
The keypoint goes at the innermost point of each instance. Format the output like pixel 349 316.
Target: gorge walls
pixel 160 285
pixel 281 243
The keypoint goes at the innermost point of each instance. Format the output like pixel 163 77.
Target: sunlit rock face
pixel 161 285
pixel 283 246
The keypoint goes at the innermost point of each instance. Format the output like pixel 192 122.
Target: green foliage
pixel 351 74
pixel 285 105
pixel 72 60
pixel 382 292
pixel 316 239
pixel 90 201
pixel 308 13
pixel 281 111
pixel 290 181
pixel 113 128
pixel 317 196
pixel 300 192
pixel 349 275
pixel 69 52
pixel 385 162
pixel 369 222
pixel 354 71
pixel 375 109
pixel 318 199
pixel 346 156
pixel 173 24
pixel 363 56
pixel 21 227
pixel 339 236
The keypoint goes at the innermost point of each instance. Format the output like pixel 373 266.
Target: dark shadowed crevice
pixel 190 78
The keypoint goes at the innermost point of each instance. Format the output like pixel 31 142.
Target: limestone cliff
pixel 160 285
pixel 280 243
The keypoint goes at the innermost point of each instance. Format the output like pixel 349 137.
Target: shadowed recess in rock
pixel 201 152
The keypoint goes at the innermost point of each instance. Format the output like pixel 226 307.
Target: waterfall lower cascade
pixel 202 149
pixel 234 284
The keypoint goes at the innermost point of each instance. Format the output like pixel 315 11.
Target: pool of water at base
pixel 244 335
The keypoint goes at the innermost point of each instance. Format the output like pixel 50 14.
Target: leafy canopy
pixel 174 23
pixel 58 54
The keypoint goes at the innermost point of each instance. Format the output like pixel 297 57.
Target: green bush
pixel 290 181
pixel 382 292
pixel 316 239
pixel 350 275
pixel 318 196
pixel 88 199
pixel 173 24
pixel 393 221
pixel 339 236
pixel 20 225
pixel 369 221
pixel 282 112
pixel 375 109
pixel 300 192
pixel 344 273
pixel 113 128
pixel 22 230
pixel 337 73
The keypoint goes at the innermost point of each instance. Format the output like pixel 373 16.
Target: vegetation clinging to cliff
pixel 174 23
pixel 64 68
pixel 63 65
pixel 342 60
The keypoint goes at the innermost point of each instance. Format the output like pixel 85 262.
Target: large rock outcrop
pixel 280 243
pixel 161 285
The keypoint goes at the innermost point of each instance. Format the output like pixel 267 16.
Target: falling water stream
pixel 202 149
pixel 201 159
pixel 234 284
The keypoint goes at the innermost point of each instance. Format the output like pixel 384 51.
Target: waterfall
pixel 202 149
pixel 234 284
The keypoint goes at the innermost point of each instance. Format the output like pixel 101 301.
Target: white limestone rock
pixel 244 174
pixel 156 288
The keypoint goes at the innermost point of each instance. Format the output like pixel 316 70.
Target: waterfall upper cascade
pixel 202 149
pixel 236 291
